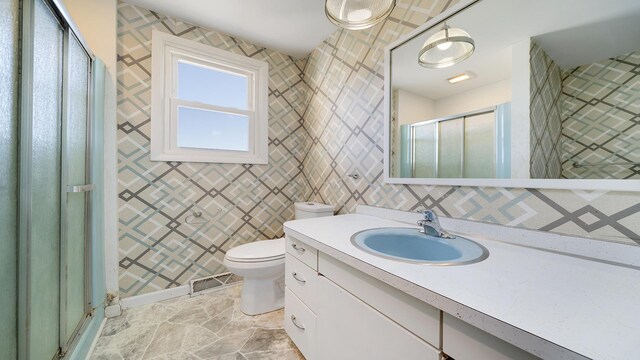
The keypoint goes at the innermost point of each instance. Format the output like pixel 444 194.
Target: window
pixel 208 105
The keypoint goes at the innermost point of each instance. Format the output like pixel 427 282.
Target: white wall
pixel 413 108
pixel 520 124
pixel 96 20
pixel 476 99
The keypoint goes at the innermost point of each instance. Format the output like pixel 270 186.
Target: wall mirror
pixel 549 93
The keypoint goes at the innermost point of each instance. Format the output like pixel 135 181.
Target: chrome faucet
pixel 431 225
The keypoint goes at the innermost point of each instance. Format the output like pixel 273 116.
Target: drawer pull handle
pixel 298 248
pixel 294 320
pixel 295 276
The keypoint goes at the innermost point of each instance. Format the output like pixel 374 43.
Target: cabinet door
pixel 462 341
pixel 347 328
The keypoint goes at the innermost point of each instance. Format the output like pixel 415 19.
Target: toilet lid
pixel 257 251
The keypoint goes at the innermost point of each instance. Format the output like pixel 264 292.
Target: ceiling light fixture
pixel 462 77
pixel 445 48
pixel 358 14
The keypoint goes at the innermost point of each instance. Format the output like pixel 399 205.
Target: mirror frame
pixel 570 184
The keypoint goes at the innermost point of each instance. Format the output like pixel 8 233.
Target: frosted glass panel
pixel 211 86
pixel 8 176
pixel 479 146
pixel 425 150
pixel 205 129
pixel 450 152
pixel 76 151
pixel 44 303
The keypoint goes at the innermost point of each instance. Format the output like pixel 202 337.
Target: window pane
pixel 210 86
pixel 204 129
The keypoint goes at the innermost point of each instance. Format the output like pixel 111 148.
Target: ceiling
pixel 573 32
pixel 294 27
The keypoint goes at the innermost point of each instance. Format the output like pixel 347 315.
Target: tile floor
pixel 209 326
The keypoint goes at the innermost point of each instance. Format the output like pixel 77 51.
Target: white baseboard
pixel 161 295
pixel 144 299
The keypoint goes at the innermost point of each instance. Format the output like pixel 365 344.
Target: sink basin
pixel 410 245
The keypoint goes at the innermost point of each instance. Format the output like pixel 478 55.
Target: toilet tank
pixel 307 210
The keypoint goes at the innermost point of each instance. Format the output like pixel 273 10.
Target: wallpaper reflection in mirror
pixel 571 84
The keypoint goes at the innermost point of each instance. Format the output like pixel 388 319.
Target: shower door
pixel 9 41
pixel 40 170
pixel 74 303
pixel 54 185
pixel 472 145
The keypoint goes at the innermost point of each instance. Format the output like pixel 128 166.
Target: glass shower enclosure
pixel 46 121
pixel 471 145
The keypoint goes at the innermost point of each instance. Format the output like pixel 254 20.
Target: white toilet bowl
pixel 261 263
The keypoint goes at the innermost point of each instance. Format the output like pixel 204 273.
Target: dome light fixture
pixel 358 14
pixel 445 48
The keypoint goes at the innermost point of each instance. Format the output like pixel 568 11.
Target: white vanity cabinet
pixel 335 312
pixel 327 322
pixel 348 328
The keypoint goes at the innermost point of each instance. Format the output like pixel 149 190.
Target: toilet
pixel 261 264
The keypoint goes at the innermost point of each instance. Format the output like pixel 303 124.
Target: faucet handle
pixel 429 215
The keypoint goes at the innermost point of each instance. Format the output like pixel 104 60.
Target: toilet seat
pixel 258 251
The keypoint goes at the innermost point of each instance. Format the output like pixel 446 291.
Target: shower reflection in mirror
pixel 472 145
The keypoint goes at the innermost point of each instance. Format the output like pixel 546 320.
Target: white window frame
pixel 167 51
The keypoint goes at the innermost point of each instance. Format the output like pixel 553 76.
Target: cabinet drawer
pixel 349 329
pixel 416 316
pixel 300 324
pixel 302 252
pixel 301 280
pixel 466 342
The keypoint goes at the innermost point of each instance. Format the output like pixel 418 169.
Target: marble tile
pixel 117 325
pixel 220 321
pixel 190 315
pixel 235 327
pixel 272 320
pixel 226 345
pixel 209 326
pixel 198 337
pixel 134 342
pixel 267 340
pixel 151 313
pixel 234 356
pixel 291 354
pixel 109 355
pixel 177 355
pixel 167 338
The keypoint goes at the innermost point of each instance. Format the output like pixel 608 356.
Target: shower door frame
pixel 64 193
pixel 25 186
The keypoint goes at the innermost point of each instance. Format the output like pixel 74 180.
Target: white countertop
pixel 561 302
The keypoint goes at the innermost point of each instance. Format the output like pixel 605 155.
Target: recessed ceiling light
pixel 458 78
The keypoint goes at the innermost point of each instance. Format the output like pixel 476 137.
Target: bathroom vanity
pixel 535 296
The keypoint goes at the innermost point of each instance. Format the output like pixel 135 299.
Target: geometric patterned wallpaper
pixel 240 203
pixel 345 117
pixel 546 123
pixel 325 122
pixel 601 118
